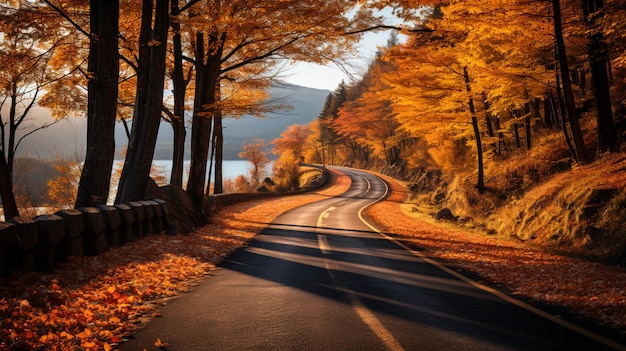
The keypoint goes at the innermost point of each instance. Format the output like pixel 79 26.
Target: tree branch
pixel 384 26
pixel 67 17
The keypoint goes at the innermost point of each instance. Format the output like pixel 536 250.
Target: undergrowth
pixel 542 198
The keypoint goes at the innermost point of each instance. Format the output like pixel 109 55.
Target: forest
pixel 507 114
pixel 137 62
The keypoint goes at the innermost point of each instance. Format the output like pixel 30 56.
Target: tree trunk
pixel 489 123
pixel 178 153
pixel 6 191
pixel 207 74
pixel 136 171
pixel 218 133
pixel 12 128
pixel 102 89
pixel 598 61
pixel 548 118
pixel 559 107
pixel 528 135
pixel 143 60
pixel 179 88
pixel 501 141
pixel 527 125
pixel 518 142
pixel 219 153
pixel 570 105
pixel 480 184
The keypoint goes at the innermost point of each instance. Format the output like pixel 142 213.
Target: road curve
pixel 320 277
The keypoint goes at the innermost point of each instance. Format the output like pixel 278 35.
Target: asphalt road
pixel 321 278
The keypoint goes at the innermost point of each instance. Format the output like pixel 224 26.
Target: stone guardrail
pixel 40 243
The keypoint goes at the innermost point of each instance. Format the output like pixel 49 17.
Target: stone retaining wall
pixel 40 243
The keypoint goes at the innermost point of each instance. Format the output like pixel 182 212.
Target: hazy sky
pixel 328 77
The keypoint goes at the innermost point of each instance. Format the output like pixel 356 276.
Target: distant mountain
pixel 68 137
pixel 306 105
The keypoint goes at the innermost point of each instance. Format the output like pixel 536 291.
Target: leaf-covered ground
pixel 93 303
pixel 588 289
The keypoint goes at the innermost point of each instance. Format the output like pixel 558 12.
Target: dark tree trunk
pixel 136 171
pixel 102 88
pixel 211 162
pixel 179 88
pixel 528 135
pixel 527 125
pixel 501 141
pixel 480 184
pixel 518 142
pixel 143 60
pixel 207 75
pixel 570 105
pixel 598 61
pixel 558 107
pixel 489 123
pixel 217 146
pixel 218 133
pixel 178 153
pixel 548 117
pixel 6 191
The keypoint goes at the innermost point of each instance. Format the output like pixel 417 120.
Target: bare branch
pixel 67 17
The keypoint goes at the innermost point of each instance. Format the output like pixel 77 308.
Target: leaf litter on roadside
pixel 94 303
pixel 590 289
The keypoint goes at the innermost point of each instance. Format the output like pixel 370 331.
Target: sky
pixel 328 77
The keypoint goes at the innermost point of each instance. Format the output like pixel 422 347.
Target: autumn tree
pixel 180 74
pixel 598 53
pixel 329 138
pixel 29 45
pixel 570 104
pixel 103 68
pixel 292 139
pixel 62 189
pixel 148 103
pixel 243 92
pixel 254 153
pixel 286 171
pixel 367 118
pixel 233 35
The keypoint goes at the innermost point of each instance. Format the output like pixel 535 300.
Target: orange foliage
pixel 292 139
pixel 62 190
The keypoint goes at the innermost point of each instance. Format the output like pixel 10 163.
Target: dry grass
pixel 561 214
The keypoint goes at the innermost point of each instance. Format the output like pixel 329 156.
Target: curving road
pixel 320 277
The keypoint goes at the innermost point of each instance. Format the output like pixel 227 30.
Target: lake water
pixel 231 169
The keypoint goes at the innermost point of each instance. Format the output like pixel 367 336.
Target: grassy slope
pixel 580 211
